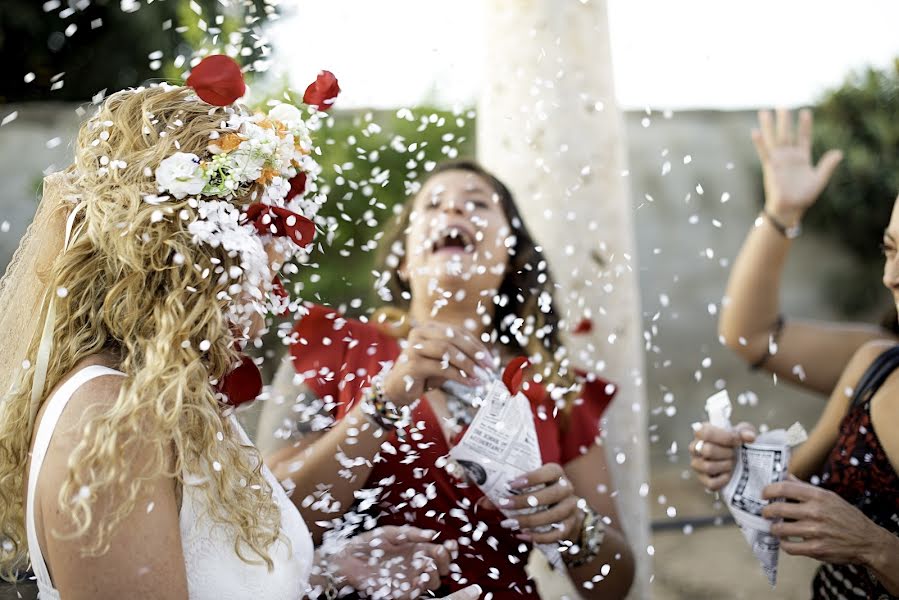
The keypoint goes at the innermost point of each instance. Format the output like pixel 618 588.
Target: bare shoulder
pixel 863 358
pixel 141 554
pixel 89 400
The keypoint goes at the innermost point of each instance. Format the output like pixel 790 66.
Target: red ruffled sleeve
pixel 564 435
pixel 582 423
pixel 337 357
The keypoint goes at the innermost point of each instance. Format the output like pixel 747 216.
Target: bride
pixel 123 473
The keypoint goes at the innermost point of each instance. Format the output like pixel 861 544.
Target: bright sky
pixel 667 53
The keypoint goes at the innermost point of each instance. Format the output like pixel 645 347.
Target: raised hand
pixel 792 182
pixel 395 562
pixel 434 353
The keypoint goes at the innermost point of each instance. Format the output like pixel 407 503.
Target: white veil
pixel 26 303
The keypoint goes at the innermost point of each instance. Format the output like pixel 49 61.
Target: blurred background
pixel 688 78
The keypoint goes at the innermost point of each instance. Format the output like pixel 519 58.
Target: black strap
pixel 876 374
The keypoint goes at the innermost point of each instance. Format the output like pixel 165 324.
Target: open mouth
pixel 454 239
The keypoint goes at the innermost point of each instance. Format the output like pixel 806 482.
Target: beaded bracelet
pixel 380 411
pixel 589 542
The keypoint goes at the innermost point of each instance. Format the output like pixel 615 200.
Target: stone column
pixel 549 127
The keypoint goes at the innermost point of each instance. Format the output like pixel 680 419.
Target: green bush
pixel 862 119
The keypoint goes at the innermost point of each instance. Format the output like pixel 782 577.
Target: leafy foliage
pixel 862 119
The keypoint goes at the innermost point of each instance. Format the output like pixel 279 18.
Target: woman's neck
pixel 462 314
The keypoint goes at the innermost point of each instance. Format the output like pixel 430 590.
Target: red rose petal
pixel 322 92
pixel 274 220
pixel 217 80
pixel 243 384
pixel 514 373
pixel 584 326
pixel 297 186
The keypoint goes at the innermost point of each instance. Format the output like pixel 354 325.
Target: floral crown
pixel 267 154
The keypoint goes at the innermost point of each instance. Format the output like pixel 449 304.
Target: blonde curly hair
pixel 135 284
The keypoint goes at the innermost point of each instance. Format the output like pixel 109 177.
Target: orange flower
pixel 267 175
pixel 276 126
pixel 228 142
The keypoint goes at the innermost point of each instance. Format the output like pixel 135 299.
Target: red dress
pixel 337 356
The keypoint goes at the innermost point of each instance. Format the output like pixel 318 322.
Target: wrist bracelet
pixel 332 590
pixel 589 542
pixel 385 414
pixel 791 233
pixel 380 411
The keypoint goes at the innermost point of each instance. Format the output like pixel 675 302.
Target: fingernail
pixel 504 501
pixel 509 523
pixel 523 537
pixel 475 591
pixel 429 532
pixel 518 483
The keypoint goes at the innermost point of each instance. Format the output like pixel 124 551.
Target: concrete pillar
pixel 549 127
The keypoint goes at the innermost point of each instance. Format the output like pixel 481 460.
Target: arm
pixel 287 416
pixel 401 562
pixel 560 519
pixel 817 523
pixel 589 474
pixel 295 452
pixel 751 306
pixel 713 461
pixel 329 470
pixel 882 558
pixel 144 559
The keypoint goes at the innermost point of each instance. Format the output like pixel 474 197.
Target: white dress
pixel 214 571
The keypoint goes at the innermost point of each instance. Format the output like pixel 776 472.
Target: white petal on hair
pixel 181 175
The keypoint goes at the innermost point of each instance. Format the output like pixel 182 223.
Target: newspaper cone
pixel 757 465
pixel 501 445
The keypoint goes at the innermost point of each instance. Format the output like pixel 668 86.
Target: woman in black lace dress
pixel 841 503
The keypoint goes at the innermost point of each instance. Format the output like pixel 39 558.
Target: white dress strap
pixel 55 405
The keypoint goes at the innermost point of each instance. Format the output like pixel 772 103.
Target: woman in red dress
pixel 465 286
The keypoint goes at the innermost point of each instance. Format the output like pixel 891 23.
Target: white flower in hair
pixel 181 175
pixel 246 163
pixel 288 114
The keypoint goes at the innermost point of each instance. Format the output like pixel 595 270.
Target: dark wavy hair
pixel 521 326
